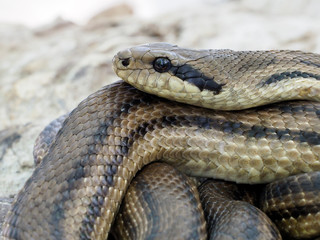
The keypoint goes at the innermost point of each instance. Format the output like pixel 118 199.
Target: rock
pixel 4 208
pixel 284 7
pixel 16 161
pixel 116 12
pixel 58 25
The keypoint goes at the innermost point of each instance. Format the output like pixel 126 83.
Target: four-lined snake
pixel 76 190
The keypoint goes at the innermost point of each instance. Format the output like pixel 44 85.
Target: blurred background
pixel 34 13
pixel 53 54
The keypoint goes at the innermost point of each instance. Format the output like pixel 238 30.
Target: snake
pixel 146 210
pixel 77 188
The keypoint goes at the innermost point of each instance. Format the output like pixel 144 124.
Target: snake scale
pixel 76 190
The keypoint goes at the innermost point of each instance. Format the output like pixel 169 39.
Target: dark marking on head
pixel 289 75
pixel 187 73
pixel 197 78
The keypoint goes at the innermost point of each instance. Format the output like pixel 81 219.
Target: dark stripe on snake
pixel 297 109
pixel 294 109
pixel 310 63
pixel 146 196
pixel 16 234
pixel 196 77
pixel 254 230
pixel 252 67
pixel 307 184
pixel 97 200
pixel 288 75
pixel 294 212
pixel 93 209
pixel 58 212
pixel 256 131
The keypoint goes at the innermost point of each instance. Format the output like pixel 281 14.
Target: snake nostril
pixel 125 62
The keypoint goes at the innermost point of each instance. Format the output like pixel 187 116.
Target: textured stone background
pixel 46 72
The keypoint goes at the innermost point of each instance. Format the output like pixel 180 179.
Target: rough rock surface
pixel 4 208
pixel 46 72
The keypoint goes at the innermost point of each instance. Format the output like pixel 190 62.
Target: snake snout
pixel 122 59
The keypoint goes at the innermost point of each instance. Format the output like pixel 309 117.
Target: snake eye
pixel 162 64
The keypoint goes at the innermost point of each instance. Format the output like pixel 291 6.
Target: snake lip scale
pixel 76 190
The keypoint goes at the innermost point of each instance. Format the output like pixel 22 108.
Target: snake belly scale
pixel 77 188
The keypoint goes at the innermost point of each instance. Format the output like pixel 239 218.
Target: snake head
pixel 168 71
pixel 220 78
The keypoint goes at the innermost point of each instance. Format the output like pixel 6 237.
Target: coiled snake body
pixel 76 190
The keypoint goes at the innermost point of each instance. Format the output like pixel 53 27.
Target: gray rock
pixel 4 208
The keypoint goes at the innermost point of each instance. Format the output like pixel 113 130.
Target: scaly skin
pixel 221 79
pixel 77 188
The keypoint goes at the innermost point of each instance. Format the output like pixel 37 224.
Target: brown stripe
pixel 306 182
pixel 97 200
pixel 295 212
pixel 166 121
pixel 291 188
pixel 288 75
pixel 310 63
pixel 93 210
pixel 238 128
